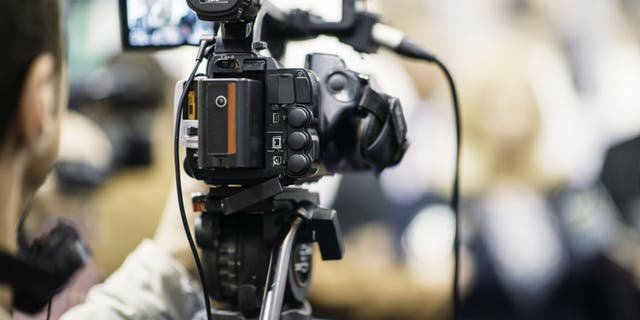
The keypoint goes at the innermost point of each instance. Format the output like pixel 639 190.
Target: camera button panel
pixel 292 142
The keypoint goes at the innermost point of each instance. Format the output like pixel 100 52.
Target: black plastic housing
pixel 273 115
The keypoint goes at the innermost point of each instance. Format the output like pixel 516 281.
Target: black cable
pixel 176 160
pixel 455 193
pixel 49 309
pixel 412 49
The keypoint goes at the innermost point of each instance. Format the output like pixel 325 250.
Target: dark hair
pixel 28 28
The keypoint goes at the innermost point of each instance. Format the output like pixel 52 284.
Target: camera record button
pixel 298 164
pixel 297 141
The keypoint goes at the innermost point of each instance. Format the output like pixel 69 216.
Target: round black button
pixel 337 82
pixel 298 164
pixel 297 117
pixel 297 141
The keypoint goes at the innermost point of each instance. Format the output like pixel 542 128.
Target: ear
pixel 35 108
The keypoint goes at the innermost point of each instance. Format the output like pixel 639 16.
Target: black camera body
pixel 248 120
pixel 253 122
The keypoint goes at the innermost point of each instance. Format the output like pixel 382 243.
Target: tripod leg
pixel 272 303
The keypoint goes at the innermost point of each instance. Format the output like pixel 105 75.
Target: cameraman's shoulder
pixel 150 284
pixel 150 255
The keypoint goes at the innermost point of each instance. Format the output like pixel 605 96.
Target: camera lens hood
pixel 226 10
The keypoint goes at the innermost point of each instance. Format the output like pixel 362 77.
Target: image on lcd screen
pixel 160 23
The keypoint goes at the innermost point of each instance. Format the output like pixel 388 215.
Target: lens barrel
pixel 226 10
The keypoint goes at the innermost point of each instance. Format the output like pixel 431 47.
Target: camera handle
pixel 235 37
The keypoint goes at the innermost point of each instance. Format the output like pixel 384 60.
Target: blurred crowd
pixel 550 163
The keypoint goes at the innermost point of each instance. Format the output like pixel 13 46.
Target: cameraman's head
pixel 32 95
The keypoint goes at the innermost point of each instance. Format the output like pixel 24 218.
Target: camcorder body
pixel 252 121
pixel 249 120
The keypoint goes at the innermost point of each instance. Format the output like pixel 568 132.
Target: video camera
pixel 249 120
pixel 252 129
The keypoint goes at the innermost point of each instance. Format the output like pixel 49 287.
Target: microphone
pixel 363 31
pixel 397 41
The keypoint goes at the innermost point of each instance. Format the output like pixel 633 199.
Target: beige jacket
pixel 149 285
pixel 4 315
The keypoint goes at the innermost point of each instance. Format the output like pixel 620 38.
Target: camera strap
pixel 32 286
pixel 384 139
pixel 40 271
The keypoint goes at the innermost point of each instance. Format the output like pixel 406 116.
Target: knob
pixel 297 140
pixel 298 117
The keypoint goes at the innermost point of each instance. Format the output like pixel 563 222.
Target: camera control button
pixel 343 87
pixel 298 164
pixel 298 117
pixel 338 82
pixel 298 141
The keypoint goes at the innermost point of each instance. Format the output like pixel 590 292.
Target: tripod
pixel 257 248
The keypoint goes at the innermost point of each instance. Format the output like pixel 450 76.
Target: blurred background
pixel 550 93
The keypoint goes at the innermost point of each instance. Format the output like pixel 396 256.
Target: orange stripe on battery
pixel 231 134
